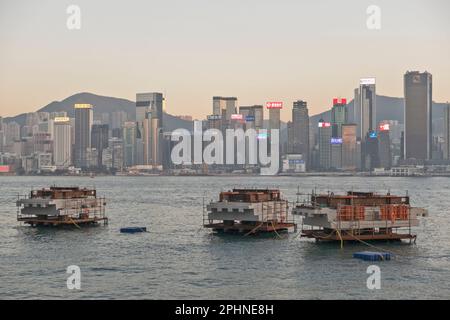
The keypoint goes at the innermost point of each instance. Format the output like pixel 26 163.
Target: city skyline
pixel 257 51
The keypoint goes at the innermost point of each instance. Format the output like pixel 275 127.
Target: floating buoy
pixel 133 229
pixel 372 256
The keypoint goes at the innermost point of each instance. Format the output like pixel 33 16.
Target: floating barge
pixel 358 216
pixel 61 206
pixel 248 211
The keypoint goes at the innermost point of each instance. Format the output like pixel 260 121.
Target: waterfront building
pixel 446 147
pixel 338 116
pixel 324 140
pixel 349 147
pixel 418 115
pixel 149 117
pixel 99 140
pixel 367 106
pixel 384 146
pixel 298 130
pixel 129 143
pixel 62 145
pixel 83 126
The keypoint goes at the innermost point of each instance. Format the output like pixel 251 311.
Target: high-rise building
pixel 118 118
pixel 447 132
pixel 349 152
pixel 215 121
pixel 99 140
pixel 338 116
pixel 2 136
pixel 42 142
pixel 149 117
pixel 384 146
pixel 62 145
pixel 336 153
pixel 253 116
pixel 274 114
pixel 370 152
pixel 129 143
pixel 12 133
pixel 225 107
pixel 83 126
pixel 324 141
pixel 112 157
pixel 418 120
pixel 298 135
pixel 357 113
pixel 367 106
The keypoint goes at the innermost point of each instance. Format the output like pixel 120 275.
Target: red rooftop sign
pixel 337 101
pixel 274 105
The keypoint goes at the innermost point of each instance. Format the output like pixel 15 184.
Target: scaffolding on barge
pixel 358 216
pixel 248 211
pixel 61 206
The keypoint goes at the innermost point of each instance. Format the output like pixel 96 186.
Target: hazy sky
pixel 257 50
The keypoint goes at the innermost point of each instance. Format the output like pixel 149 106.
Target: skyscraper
pixel 367 102
pixel 62 142
pixel 225 107
pixel 418 120
pixel 129 144
pixel 117 119
pixel 447 132
pixel 357 113
pixel 149 117
pixel 338 116
pixel 83 125
pixel 384 146
pixel 274 114
pixel 298 136
pixel 349 147
pixel 253 116
pixel 2 135
pixel 99 140
pixel 324 140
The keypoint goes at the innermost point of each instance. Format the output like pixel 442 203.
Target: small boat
pixel 61 206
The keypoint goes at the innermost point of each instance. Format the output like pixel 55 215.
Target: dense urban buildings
pixel 343 140
pixel 418 115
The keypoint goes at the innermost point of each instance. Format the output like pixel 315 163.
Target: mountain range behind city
pixel 388 108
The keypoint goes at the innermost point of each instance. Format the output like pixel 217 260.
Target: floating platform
pixel 247 228
pixel 372 256
pixel 61 206
pixel 62 221
pixel 321 235
pixel 133 229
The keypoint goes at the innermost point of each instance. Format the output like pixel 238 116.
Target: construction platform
pixel 247 228
pixel 62 221
pixel 321 235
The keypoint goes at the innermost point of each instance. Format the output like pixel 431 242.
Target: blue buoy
pixel 372 256
pixel 133 229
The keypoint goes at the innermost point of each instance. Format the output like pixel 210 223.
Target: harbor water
pixel 178 259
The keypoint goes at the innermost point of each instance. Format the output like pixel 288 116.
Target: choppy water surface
pixel 176 259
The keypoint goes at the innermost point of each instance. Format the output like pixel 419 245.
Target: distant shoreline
pixel 304 175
